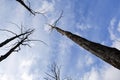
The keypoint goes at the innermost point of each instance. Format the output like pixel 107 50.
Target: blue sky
pixel 96 20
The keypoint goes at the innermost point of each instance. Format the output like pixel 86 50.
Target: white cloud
pixel 83 26
pixel 6 77
pixel 24 69
pixel 111 28
pixel 25 65
pixel 116 44
pixel 92 75
pixel 112 22
pixel 106 73
pixel 114 34
pixel 64 51
pixel 26 76
pixel 89 60
pixel 118 26
pixel 47 28
pixel 80 63
pixel 84 61
pixel 46 6
pixel 111 73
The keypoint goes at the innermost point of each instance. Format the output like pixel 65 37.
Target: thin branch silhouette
pixel 15 48
pixel 55 73
pixel 22 38
pixel 28 7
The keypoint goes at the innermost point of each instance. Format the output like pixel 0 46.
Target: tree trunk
pixel 108 54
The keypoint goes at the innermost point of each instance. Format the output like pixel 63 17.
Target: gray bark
pixel 108 54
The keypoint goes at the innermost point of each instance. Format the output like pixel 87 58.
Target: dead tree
pixel 23 38
pixel 55 73
pixel 12 38
pixel 108 54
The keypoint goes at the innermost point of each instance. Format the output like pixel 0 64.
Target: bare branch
pixel 55 23
pixel 54 72
pixel 50 75
pixel 14 37
pixel 25 44
pixel 2 57
pixel 47 78
pixel 28 7
pixel 8 31
pixel 14 24
pixel 23 39
pixel 16 46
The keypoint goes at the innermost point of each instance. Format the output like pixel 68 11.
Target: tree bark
pixel 108 54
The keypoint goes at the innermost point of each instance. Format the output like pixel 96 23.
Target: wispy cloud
pixel 93 74
pixel 114 33
pixel 105 73
pixel 118 26
pixel 111 73
pixel 83 27
pixel 47 6
pixel 85 61
pixel 64 51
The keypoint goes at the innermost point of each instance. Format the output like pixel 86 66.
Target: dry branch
pixel 16 46
pixel 55 73
pixel 28 7
pixel 12 38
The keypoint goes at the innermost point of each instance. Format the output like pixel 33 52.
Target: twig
pixel 2 57
pixel 8 31
pixel 37 40
pixel 55 23
pixel 53 26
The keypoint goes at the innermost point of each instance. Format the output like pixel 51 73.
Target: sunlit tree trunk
pixel 108 54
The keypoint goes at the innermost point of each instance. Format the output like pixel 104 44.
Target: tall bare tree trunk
pixel 108 54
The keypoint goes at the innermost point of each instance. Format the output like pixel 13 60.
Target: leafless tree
pixel 55 73
pixel 108 54
pixel 22 39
